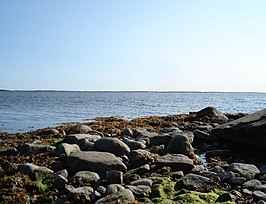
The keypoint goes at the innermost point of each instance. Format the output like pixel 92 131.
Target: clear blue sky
pixel 167 45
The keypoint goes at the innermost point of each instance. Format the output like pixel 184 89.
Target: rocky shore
pixel 200 157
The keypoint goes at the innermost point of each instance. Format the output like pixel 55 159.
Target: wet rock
pixel 248 130
pixel 261 202
pixel 248 171
pixel 139 191
pixel 177 162
pixel 98 162
pixel 145 182
pixel 133 145
pixel 85 178
pixel 80 139
pixel 65 149
pixel 193 182
pixel 222 154
pixel 124 196
pixel 114 177
pixel 140 157
pixel 180 144
pixel 251 184
pixel 112 145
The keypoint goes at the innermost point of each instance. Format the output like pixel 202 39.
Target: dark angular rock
pixel 177 162
pixel 248 130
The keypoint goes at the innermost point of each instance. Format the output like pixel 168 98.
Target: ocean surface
pixel 22 111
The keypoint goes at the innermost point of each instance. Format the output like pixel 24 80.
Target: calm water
pixel 24 111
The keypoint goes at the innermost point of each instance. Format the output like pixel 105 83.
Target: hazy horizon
pixel 162 46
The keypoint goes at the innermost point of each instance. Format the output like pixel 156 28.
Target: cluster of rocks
pixel 193 162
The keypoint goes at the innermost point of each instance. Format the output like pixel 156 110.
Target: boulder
pixel 177 162
pixel 161 139
pixel 98 162
pixel 140 157
pixel 65 149
pixel 145 182
pixel 193 182
pixel 124 196
pixel 114 188
pixel 261 188
pixel 50 132
pixel 85 178
pixel 35 172
pixel 248 171
pixel 251 184
pixel 112 145
pixel 213 113
pixel 30 148
pixel 248 130
pixel 132 144
pixel 180 144
pixel 81 194
pixel 140 191
pixel 80 139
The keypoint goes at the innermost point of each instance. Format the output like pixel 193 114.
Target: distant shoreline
pixel 92 91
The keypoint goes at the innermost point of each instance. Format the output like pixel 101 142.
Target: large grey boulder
pixel 65 149
pixel 98 162
pixel 80 139
pixel 85 178
pixel 178 162
pixel 112 145
pixel 248 130
pixel 180 144
pixel 248 171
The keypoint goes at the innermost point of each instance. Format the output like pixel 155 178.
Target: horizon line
pixel 152 91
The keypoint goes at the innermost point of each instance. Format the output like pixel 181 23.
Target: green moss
pixel 163 201
pixel 164 188
pixel 201 198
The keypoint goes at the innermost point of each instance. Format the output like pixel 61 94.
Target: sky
pixel 138 45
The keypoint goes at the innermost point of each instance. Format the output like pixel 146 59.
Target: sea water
pixel 22 111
